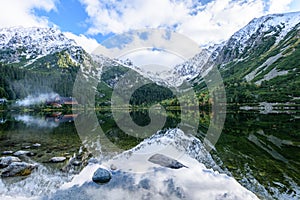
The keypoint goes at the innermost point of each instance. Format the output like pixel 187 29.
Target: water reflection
pixel 262 151
pixel 55 132
pixel 59 117
pixel 39 122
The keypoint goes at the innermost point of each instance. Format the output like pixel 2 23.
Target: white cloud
pixel 89 44
pixel 20 12
pixel 209 23
pixel 220 19
pixel 120 16
pixel 279 6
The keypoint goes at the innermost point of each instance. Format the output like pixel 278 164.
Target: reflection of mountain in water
pixel 249 140
pixel 136 177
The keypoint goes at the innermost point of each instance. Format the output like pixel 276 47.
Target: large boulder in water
pixel 5 161
pixel 165 161
pixel 18 169
pixel 101 176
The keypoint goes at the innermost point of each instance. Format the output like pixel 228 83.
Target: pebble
pixel 101 175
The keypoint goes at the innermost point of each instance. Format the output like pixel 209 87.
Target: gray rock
pixel 18 169
pixel 5 161
pixel 7 152
pixel 101 176
pixel 165 161
pixel 57 159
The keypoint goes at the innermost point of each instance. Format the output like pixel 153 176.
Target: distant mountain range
pixel 260 62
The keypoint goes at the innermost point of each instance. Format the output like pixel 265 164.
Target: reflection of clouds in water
pixel 35 121
pixel 38 99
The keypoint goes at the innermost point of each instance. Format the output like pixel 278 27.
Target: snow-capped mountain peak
pixel 273 24
pixel 31 43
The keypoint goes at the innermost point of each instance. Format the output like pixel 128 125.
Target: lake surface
pixel 261 151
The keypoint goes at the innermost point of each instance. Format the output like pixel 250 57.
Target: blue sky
pixel 90 22
pixel 69 15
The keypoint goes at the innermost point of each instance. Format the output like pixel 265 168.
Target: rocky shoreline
pixel 21 163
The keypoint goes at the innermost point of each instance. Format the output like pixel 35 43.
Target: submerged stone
pixel 57 159
pixel 23 153
pixel 101 176
pixel 5 161
pixel 7 152
pixel 165 161
pixel 18 169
